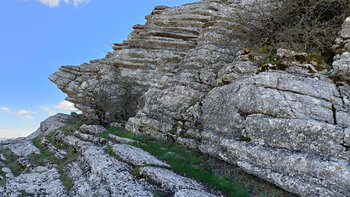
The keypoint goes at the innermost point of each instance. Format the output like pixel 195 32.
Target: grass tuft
pixel 47 157
pixel 12 163
pixel 183 161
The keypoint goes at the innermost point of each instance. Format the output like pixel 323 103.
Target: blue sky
pixel 38 36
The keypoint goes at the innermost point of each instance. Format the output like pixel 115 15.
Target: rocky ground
pixel 186 76
pixel 91 161
pixel 94 171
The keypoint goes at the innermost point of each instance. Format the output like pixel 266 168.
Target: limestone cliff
pixel 182 77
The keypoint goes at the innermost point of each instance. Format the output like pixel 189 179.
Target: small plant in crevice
pixel 11 162
pixel 46 157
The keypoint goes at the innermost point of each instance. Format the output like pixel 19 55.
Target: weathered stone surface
pixel 2 157
pixel 50 124
pixel 179 77
pixel 90 138
pixel 342 65
pixel 122 140
pixel 89 169
pixel 192 193
pixel 92 129
pixel 107 176
pixel 170 180
pixel 341 62
pixel 23 148
pixel 6 170
pixel 116 124
pixel 41 181
pixel 59 154
pixel 136 156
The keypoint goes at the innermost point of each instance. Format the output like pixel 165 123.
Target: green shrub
pixel 293 24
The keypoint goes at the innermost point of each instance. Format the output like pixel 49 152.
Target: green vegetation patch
pixel 184 162
pixel 47 157
pixel 11 162
pixel 118 132
pixel 3 182
pixel 215 173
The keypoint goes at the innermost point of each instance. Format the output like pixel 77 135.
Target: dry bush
pixel 100 98
pixel 295 24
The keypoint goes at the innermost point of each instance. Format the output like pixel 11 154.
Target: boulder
pixel 92 129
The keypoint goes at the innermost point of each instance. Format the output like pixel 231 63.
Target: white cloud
pixel 62 106
pixel 22 113
pixel 28 117
pixel 55 3
pixel 50 3
pixel 5 109
pixel 77 2
pixel 66 106
pixel 48 110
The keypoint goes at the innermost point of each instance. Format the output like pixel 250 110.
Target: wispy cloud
pixel 28 117
pixel 5 109
pixel 22 113
pixel 65 106
pixel 56 3
pixel 48 110
pixel 62 106
pixel 50 3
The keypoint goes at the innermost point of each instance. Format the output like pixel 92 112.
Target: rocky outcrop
pixel 183 39
pixel 41 181
pixel 342 59
pixel 50 124
pixel 92 129
pixel 136 156
pixel 181 77
pixel 87 168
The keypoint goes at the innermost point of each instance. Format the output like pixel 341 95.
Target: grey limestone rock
pixel 90 138
pixel 23 148
pixel 107 176
pixel 342 65
pixel 50 124
pixel 42 181
pixel 116 124
pixel 92 129
pixel 342 60
pixel 170 180
pixel 192 193
pixel 179 77
pixel 136 156
pixel 59 154
pixel 122 140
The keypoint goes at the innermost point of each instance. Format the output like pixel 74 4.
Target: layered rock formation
pixel 179 77
pixel 84 167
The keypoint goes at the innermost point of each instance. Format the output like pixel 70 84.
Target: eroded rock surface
pixel 41 181
pixel 170 180
pixel 92 129
pixel 181 77
pixel 50 124
pixel 85 169
pixel 136 156
pixel 23 148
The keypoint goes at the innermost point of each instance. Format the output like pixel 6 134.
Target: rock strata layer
pixel 96 170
